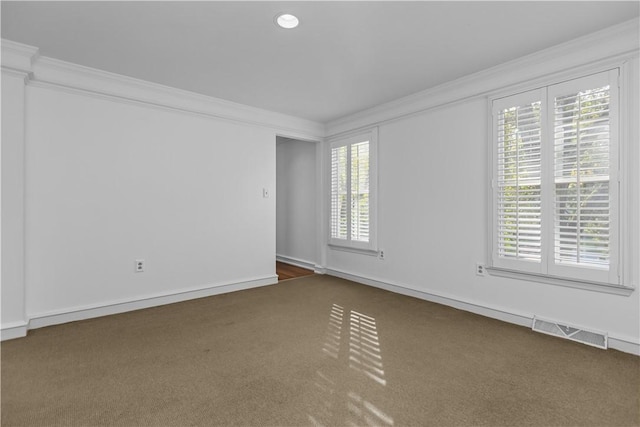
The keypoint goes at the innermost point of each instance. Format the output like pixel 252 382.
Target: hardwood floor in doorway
pixel 288 271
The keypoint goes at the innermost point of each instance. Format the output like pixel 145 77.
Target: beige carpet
pixel 311 351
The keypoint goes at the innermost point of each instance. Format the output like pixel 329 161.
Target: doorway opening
pixel 296 207
pixel 290 271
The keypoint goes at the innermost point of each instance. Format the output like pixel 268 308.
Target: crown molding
pixel 617 42
pixel 50 71
pixel 45 71
pixel 68 75
pixel 12 72
pixel 18 56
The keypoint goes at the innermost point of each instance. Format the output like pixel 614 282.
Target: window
pixel 555 181
pixel 353 195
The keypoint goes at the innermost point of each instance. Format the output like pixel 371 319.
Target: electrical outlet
pixel 480 269
pixel 139 266
pixel 381 254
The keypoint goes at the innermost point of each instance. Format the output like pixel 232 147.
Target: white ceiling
pixel 343 58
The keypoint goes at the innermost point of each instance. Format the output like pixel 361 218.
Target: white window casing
pixel 517 215
pixel 585 142
pixel 555 181
pixel 353 191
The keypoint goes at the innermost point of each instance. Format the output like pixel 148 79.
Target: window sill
pixel 369 252
pixel 551 280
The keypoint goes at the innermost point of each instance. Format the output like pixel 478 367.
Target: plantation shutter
pixel 518 181
pixel 555 180
pixel 582 204
pixel 339 211
pixel 360 192
pixel 583 119
pixel 353 171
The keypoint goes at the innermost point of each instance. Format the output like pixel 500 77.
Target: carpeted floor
pixel 311 351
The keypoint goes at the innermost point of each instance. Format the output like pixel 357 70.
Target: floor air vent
pixel 595 339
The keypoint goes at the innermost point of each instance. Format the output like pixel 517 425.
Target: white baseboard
pixel 19 329
pixel 309 265
pixel 624 344
pixel 81 313
pixel 318 269
pixel 13 330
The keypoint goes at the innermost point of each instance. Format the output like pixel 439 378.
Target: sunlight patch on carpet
pixel 346 388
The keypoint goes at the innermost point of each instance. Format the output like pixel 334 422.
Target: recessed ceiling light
pixel 286 20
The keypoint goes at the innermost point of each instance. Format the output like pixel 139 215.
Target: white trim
pixel 496 105
pixel 562 281
pixel 309 265
pixel 73 314
pixel 371 136
pixel 322 210
pixel 629 207
pixel 507 315
pixel 613 44
pixel 319 269
pixel 67 76
pixel 188 110
pixel 13 330
pixel 18 56
pixel 554 268
pixel 12 260
pixel 622 343
pixel 337 247
pixel 320 200
pixel 566 83
pixel 12 72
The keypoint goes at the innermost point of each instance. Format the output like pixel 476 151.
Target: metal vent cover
pixel 573 333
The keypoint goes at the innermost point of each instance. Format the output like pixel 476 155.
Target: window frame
pixel 370 247
pixel 498 103
pixel 613 275
pixel 617 279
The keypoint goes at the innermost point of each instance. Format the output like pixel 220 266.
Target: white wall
pixel 296 210
pixel 110 182
pixel 433 231
pixel 99 170
pixel 177 180
pixel 433 195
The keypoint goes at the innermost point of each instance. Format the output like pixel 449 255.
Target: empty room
pixel 320 213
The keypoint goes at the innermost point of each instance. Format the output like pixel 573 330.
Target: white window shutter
pixel 360 206
pixel 353 191
pixel 518 182
pixel 583 116
pixel 555 180
pixel 519 179
pixel 339 193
